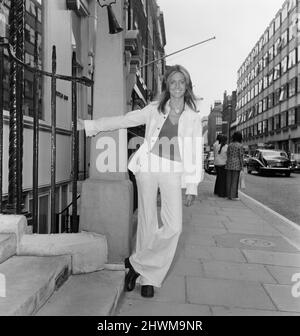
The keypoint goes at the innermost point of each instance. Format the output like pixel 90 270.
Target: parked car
pixel 269 161
pixel 295 159
pixel 246 158
pixel 209 165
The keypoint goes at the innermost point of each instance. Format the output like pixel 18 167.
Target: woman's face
pixel 177 85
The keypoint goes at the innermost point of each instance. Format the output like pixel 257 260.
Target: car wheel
pixel 259 171
pixel 288 174
pixel 249 171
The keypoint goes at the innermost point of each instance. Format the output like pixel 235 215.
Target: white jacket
pixel 189 139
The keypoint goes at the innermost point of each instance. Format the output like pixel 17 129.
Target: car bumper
pixel 276 169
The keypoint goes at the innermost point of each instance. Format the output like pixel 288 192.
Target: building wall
pixel 62 28
pixel 215 119
pixel 268 110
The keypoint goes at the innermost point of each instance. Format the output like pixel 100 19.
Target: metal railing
pixel 15 49
pixel 63 219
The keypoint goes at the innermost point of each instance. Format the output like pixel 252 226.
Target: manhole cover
pixel 257 242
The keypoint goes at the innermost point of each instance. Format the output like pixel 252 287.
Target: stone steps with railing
pixel 33 267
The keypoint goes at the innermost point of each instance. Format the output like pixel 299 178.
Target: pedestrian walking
pixel 220 158
pixel 169 159
pixel 234 165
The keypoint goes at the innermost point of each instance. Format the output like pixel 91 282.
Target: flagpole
pixel 178 51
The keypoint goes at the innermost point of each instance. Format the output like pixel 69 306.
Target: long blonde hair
pixel 189 96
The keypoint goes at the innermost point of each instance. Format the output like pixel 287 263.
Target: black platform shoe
pixel 147 291
pixel 127 263
pixel 131 276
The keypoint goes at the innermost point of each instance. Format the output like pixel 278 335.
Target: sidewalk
pixel 233 258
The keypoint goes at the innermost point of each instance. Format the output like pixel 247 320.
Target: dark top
pixel 234 156
pixel 167 143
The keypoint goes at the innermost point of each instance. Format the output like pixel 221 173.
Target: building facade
pixel 268 87
pixel 215 122
pixel 71 27
pixel 229 114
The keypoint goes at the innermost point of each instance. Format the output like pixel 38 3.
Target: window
pixel 283 119
pixel 277 71
pixel 277 121
pixel 252 93
pixel 277 22
pixel 250 131
pixel 283 93
pixel 259 128
pixel 271 30
pixel 271 53
pixel 284 12
pixel 291 117
pixel 291 31
pixel 277 46
pixel 270 100
pixel 292 58
pixel 218 120
pixel 266 37
pixel 265 126
pixel 292 87
pixel 260 86
pixel 256 90
pixel 250 113
pixel 265 82
pixel 270 77
pixel 33 9
pixel 255 130
pixel 265 59
pixel 260 107
pixel 292 4
pixel 265 104
pixel 271 124
pixel 284 65
pixel 284 39
pixel 277 96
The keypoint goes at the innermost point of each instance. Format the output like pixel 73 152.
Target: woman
pixel 220 155
pixel 168 160
pixel 234 165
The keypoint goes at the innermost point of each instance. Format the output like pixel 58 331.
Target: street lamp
pixel 114 26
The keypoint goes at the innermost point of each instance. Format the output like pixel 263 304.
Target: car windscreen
pixel 273 155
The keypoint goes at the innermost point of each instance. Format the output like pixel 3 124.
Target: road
pixel 280 193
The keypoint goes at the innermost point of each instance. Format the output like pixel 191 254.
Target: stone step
pixel 88 249
pixel 26 283
pixel 92 294
pixel 8 246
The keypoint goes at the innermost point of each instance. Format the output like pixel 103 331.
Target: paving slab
pixel 283 297
pixel 172 291
pixel 209 230
pixel 230 293
pixel 237 271
pixel 182 267
pixel 225 311
pixel 92 294
pixel 198 239
pixel 213 253
pixel 272 258
pixel 255 242
pixel 143 308
pixel 251 229
pixel 207 221
pixel 282 274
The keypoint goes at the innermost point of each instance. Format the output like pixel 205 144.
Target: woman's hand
pixel 189 200
pixel 80 125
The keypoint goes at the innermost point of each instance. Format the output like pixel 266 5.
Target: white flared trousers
pixel 156 246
